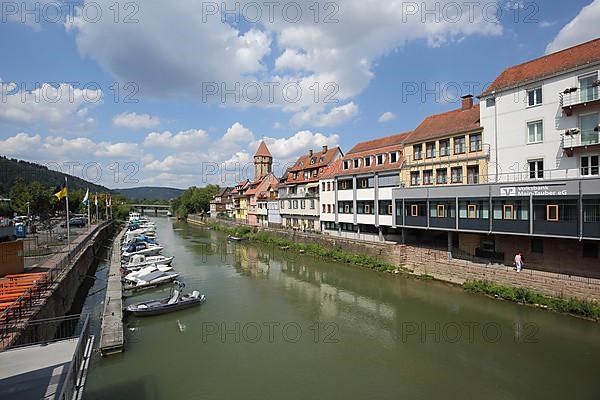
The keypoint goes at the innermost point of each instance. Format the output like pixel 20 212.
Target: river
pixel 280 325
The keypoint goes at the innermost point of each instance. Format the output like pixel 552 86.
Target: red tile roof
pixel 448 123
pixel 303 163
pixel 387 141
pixel 384 145
pixel 332 169
pixel 263 150
pixel 539 68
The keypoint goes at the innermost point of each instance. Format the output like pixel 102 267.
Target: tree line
pixel 194 200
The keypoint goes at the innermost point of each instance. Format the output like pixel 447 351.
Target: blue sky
pixel 167 57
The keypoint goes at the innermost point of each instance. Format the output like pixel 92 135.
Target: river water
pixel 280 325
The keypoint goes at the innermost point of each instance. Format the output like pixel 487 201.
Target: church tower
pixel 263 161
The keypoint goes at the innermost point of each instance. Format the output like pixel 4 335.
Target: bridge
pixel 164 208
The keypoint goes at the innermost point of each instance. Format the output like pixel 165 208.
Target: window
pixel 323 186
pixel 534 97
pixel 441 211
pixel 329 208
pixel 346 164
pixel 306 174
pixel 312 204
pixel 418 151
pixel 475 142
pixel 471 211
pixel 295 175
pixel 441 176
pixel 473 174
pixel 313 160
pixel 315 172
pixel 552 212
pixel 444 147
pixel 490 102
pixel 589 165
pixel 346 184
pixel 368 161
pixel 347 208
pixel 590 250
pixel 380 159
pixel 295 204
pixel 367 209
pixel 389 180
pixel 394 157
pixel 537 245
pixel 303 204
pixel 364 183
pixel 536 169
pixel 457 175
pixel 415 178
pixel 414 210
pixel 430 150
pixel 508 212
pixel 587 125
pixel 588 90
pixel 459 145
pixel 356 162
pixel 324 208
pixel 428 177
pixel 535 131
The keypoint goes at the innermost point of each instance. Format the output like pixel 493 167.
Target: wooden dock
pixel 111 337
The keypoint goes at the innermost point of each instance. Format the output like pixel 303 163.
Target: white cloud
pixel 135 121
pixel 305 53
pixel 61 108
pixel 546 24
pixel 277 125
pixel 386 117
pixel 335 117
pixel 582 28
pixel 181 140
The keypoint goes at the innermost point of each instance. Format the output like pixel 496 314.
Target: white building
pixel 541 117
pixel 359 190
pixel 299 191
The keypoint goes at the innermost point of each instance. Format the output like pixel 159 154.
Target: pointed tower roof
pixel 263 150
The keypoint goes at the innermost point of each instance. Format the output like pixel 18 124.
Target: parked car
pixel 77 222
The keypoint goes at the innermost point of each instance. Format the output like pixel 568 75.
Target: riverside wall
pixel 436 263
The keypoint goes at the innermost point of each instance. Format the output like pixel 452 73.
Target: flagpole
pixel 89 217
pixel 96 204
pixel 68 227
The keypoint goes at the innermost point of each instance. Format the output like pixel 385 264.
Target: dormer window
pixel 356 163
pixel 380 159
pixel 300 163
pixel 346 164
pixel 295 175
pixel 320 159
pixel 312 161
pixel 367 161
pixel 394 157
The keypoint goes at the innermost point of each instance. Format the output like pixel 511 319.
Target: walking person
pixel 518 262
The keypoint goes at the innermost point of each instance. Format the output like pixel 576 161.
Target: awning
pixel 312 185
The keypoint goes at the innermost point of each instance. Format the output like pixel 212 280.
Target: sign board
pixel 548 190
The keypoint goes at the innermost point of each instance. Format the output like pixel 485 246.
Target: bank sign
pixel 534 190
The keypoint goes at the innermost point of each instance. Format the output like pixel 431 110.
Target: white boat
pixel 144 249
pixel 130 235
pixel 140 261
pixel 150 280
pixel 133 276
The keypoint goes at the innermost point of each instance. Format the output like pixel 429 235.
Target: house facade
pixel 359 190
pixel 259 190
pixel 299 192
pixel 447 148
pixel 240 201
pixel 218 205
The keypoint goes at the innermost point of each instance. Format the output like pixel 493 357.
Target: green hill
pixel 30 172
pixel 150 193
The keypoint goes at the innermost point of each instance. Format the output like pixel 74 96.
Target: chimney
pixel 310 153
pixel 467 102
pixel 324 149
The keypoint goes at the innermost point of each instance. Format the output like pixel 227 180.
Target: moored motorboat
pixel 232 238
pixel 175 301
pixel 139 261
pixel 132 276
pixel 150 280
pixel 144 249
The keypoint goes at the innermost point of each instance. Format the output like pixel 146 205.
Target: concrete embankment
pixel 437 264
pixel 60 297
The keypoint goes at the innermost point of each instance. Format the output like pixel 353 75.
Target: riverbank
pixel 580 307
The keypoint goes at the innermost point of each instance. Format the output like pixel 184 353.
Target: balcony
pixel 573 99
pixel 574 138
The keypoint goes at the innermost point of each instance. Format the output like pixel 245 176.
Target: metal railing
pixel 576 96
pixel 580 138
pixel 76 370
pixel 11 318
